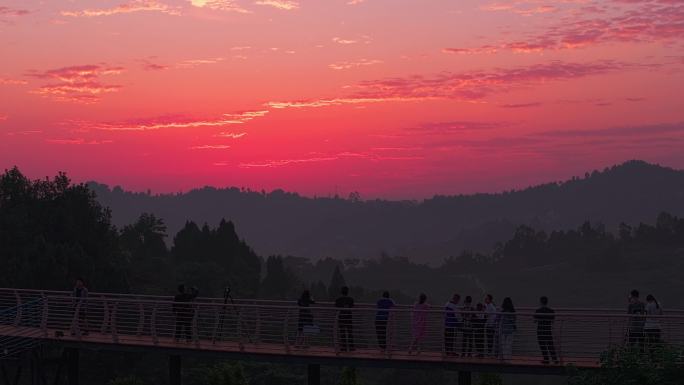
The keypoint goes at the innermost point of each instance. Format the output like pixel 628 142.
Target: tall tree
pixel 336 283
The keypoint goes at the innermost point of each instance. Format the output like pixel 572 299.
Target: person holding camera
pixel 184 312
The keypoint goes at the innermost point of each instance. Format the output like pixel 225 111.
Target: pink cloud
pixel 635 21
pixel 211 147
pixel 170 122
pixel 287 5
pixel 124 8
pixel 220 5
pixel 7 11
pixel 345 65
pixel 231 135
pixel 76 83
pixel 77 141
pixel 476 85
pixel 12 82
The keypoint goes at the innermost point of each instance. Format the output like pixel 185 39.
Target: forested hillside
pixel 279 222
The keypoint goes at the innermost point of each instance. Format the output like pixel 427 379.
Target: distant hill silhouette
pixel 286 223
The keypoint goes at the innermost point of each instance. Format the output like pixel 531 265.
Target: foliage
pixel 336 283
pixel 52 232
pixel 127 380
pixel 348 376
pixel 630 366
pixel 489 379
pixel 224 373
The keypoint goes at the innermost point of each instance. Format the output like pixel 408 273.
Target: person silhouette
pixel 418 323
pixel 637 310
pixel 508 328
pixel 184 312
pixel 452 322
pixel 544 316
pixel 345 321
pixel 383 305
pixel 467 313
pixel 80 295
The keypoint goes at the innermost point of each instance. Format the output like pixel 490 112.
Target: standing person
pixel 418 323
pixel 467 344
pixel 383 305
pixel 184 312
pixel 508 328
pixel 80 295
pixel 637 310
pixel 544 317
pixel 345 321
pixel 451 324
pixel 478 325
pixel 305 317
pixel 490 324
pixel 652 325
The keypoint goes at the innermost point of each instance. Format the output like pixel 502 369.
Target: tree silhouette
pixel 336 283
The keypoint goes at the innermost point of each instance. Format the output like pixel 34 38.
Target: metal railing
pixel 10 297
pixel 576 338
pixel 21 327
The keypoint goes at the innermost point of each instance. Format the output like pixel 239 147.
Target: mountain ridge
pixel 286 223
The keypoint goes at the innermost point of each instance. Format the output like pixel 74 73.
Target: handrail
pixel 435 310
pixel 241 301
pixel 287 329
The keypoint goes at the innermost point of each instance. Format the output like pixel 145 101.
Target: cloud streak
pixel 179 122
pixel 286 5
pixel 125 8
pixel 76 83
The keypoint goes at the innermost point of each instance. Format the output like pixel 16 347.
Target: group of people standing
pixel 644 326
pixel 485 330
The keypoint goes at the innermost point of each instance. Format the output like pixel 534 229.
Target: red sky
pixel 391 98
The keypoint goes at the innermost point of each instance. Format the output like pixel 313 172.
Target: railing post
pixel 286 337
pixel 389 334
pixel 17 319
pixel 44 317
pixel 153 325
pixel 195 326
pixel 141 320
pixel 336 332
pixel 105 316
pixel 115 336
pixel 75 324
pixel 217 322
pixel 241 342
pixel 560 341
pixel 257 327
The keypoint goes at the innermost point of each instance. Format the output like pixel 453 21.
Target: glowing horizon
pixel 390 98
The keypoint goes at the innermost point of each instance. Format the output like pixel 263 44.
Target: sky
pixel 390 98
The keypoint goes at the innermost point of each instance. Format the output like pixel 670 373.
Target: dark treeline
pixel 280 222
pixel 52 231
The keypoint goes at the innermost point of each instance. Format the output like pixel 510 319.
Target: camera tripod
pixel 227 297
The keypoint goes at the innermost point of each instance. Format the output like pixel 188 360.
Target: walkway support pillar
pixel 314 374
pixel 174 370
pixel 465 378
pixel 72 356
